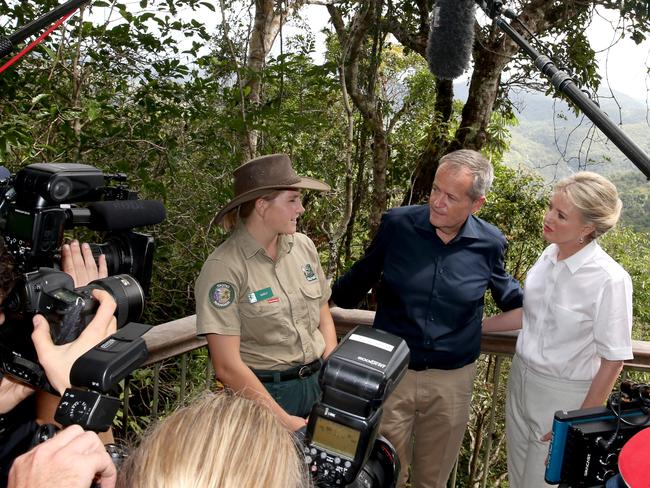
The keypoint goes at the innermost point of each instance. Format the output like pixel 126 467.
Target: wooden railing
pixel 179 336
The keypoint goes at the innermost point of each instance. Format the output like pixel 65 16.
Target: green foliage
pixel 516 206
pixel 635 193
pixel 632 251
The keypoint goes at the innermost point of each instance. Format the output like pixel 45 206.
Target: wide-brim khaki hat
pixel 273 172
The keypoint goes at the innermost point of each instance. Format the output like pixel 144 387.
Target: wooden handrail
pixel 179 336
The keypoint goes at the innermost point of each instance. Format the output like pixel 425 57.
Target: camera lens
pixel 128 294
pixel 118 258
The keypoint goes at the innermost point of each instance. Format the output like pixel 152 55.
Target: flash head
pixel 42 184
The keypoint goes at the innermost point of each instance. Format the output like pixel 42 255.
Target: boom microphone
pixel 451 38
pixel 125 214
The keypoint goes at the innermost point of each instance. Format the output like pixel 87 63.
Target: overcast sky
pixel 625 66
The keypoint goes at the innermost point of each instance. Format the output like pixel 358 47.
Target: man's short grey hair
pixel 477 164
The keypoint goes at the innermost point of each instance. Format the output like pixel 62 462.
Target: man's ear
pixel 478 203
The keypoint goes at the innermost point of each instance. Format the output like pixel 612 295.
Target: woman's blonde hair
pixel 595 197
pixel 221 440
pixel 242 212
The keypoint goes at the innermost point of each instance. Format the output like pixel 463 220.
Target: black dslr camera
pixel 67 309
pixel 342 447
pixel 585 443
pixel 42 200
pixel 37 204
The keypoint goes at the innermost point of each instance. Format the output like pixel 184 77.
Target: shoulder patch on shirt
pixel 221 294
pixel 308 272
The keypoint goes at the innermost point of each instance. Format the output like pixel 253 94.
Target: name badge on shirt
pixel 259 295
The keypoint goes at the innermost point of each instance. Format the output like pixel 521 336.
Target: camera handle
pixel 7 44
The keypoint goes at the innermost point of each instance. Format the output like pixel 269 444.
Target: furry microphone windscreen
pixel 451 38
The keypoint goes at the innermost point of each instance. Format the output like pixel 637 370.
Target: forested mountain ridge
pixel 554 141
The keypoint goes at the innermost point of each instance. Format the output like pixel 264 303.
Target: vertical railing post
pixel 496 377
pixel 125 408
pixel 209 373
pixel 156 389
pixel 452 479
pixel 183 379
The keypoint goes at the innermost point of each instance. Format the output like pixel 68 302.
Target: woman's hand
pixel 295 423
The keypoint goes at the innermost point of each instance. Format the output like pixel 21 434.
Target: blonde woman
pixel 220 441
pixel 576 323
pixel 262 296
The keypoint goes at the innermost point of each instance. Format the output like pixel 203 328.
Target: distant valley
pixel 553 141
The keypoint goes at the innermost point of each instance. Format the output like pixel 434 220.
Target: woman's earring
pixel 581 240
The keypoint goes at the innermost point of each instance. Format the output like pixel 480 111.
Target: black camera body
pixel 68 310
pixel 42 200
pixel 341 443
pixel 585 443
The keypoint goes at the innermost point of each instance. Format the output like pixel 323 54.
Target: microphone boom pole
pixel 7 44
pixel 563 82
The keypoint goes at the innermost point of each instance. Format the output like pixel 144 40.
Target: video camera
pixel 36 206
pixel 41 201
pixel 341 443
pixel 585 443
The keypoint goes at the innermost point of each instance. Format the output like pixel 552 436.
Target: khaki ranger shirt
pixel 274 306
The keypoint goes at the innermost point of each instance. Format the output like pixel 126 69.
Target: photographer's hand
pixel 77 260
pixel 58 360
pixel 72 458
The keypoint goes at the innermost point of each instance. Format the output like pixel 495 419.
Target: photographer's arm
pixel 73 458
pixel 11 394
pixel 233 372
pixel 77 260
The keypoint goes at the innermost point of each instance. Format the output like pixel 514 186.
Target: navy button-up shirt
pixel 430 293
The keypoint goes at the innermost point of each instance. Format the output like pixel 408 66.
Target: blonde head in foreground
pixel 221 440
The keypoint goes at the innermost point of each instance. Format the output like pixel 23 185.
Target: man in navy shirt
pixel 434 264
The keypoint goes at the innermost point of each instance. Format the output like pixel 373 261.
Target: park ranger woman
pixel 261 297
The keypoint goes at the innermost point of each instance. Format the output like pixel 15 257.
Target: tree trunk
pixel 269 19
pixel 427 163
pixel 353 39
